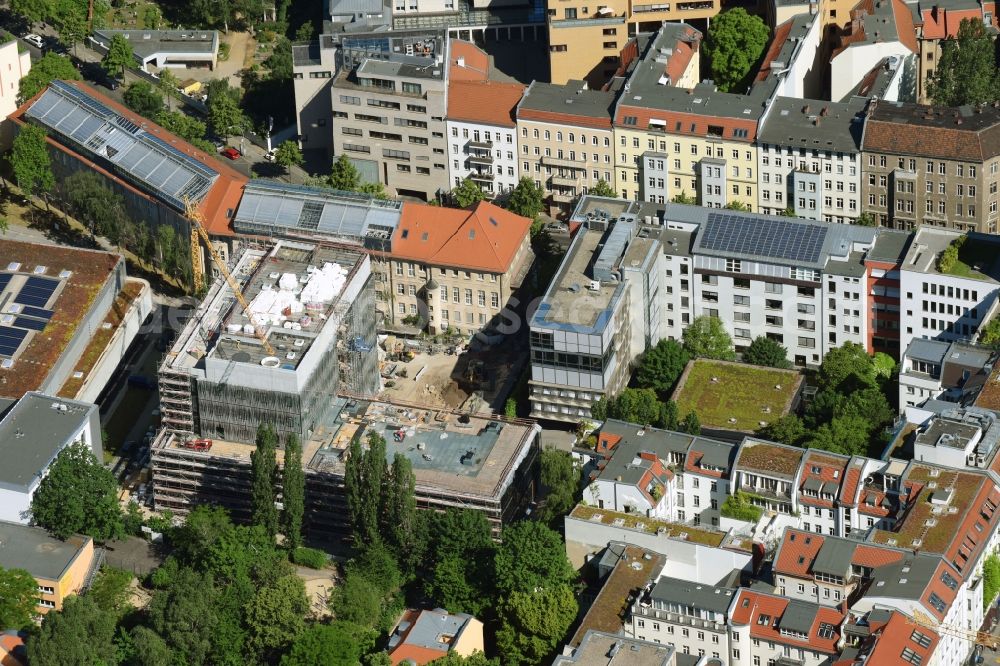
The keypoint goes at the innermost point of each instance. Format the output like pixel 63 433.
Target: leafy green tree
pixel 92 202
pixel 263 472
pixel 669 416
pixel 366 472
pixel 733 46
pixel 991 578
pixel 44 71
pixel 78 496
pixel 150 649
pixel 787 429
pixel 276 614
pixel 527 199
pixel 186 615
pixel 533 622
pixel 846 368
pixel 357 600
pixel 168 85
pixel 864 220
pixel 81 633
pixel 691 425
pixel 530 556
pixel 966 73
pixel 632 405
pixel 204 527
pixel 375 190
pixel 602 189
pixel 400 514
pixel 884 366
pixel 684 198
pixel 288 155
pixel 766 352
pixel 143 98
pixel 72 25
pixel 119 57
pixel 35 10
pixel 460 561
pixel 705 337
pixel 111 589
pixel 225 117
pixel 467 193
pixel 293 493
pixel 561 478
pixel 336 644
pixel 510 408
pixel 737 205
pixel 661 366
pixel 31 162
pixel 475 659
pixel 844 434
pixel 152 18
pixel 18 597
pixel 345 175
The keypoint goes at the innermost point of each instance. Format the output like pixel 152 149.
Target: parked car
pixel 34 40
pixel 231 153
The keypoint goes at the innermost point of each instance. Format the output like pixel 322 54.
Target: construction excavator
pixel 193 214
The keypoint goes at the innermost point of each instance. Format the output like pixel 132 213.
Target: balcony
pixel 548 160
pixel 483 176
pixel 481 159
pixel 640 609
pixel 479 145
pixel 562 181
pixel 563 197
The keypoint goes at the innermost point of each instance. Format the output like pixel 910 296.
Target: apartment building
pixel 704 140
pixel 565 138
pixel 688 616
pixel 875 30
pixel 798 282
pixel 578 27
pixel 599 312
pixel 932 166
pixel 883 262
pixel 14 66
pixel 390 99
pixel 947 305
pixel 809 159
pixel 61 568
pixel 936 370
pixel 452 269
pixel 940 21
pixel 313 69
pixel 482 133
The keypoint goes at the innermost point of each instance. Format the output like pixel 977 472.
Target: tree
pixel 345 175
pixel 276 614
pixel 263 471
pixel 150 649
pixel 36 10
pixel 966 73
pixel 81 633
pixel 119 57
pixel 533 622
pixel 632 405
pixel 365 473
pixel 737 205
pixel 705 337
pixel 44 71
pixel 848 435
pixel 288 155
pixel 187 616
pixel 864 220
pixel 143 98
pixel 669 416
pixel 78 496
pixel 475 659
pixel 18 598
pixel 293 493
pixel 467 193
pixel 766 352
pixel 357 600
pixel 530 556
pixel 400 513
pixel 787 429
pixel 846 368
pixel 691 425
pixel 31 162
pixel 991 579
pixel 204 528
pixel 661 366
pixel 168 84
pixel 374 190
pixel 72 24
pixel 734 44
pixel 460 561
pixel 93 203
pixel 336 644
pixel 561 478
pixel 527 199
pixel 110 590
pixel 224 114
pixel 602 189
pixel 683 198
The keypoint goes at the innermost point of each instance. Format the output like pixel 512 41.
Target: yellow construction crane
pixel 983 638
pixel 198 230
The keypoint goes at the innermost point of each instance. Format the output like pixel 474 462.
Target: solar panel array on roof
pixel 765 237
pixel 141 157
pixel 36 292
pixel 11 339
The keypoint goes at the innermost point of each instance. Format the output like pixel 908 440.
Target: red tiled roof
pixel 558 117
pixel 874 557
pixel 749 605
pixel 943 23
pixel 849 488
pixel 888 641
pixel 487 102
pixel 797 552
pixel 222 198
pixel 679 122
pixel 780 37
pixel 467 62
pixel 485 238
pixel 8 644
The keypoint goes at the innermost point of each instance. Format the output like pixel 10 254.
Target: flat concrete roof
pixel 32 549
pixel 33 432
pixel 146 43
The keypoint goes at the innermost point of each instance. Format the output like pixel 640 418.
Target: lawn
pixel 975 260
pixel 719 391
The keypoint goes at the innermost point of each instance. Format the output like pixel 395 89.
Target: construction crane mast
pixel 198 230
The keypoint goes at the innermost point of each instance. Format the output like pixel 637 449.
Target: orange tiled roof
pixel 467 62
pixel 749 605
pixel 874 557
pixel 942 23
pixel 224 195
pixel 888 641
pixel 797 552
pixel 485 238
pixel 487 102
pixel 780 37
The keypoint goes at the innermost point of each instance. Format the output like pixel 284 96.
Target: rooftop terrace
pixel 978 258
pixel 768 458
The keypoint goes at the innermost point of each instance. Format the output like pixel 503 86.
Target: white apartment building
pixel 948 306
pixel 809 159
pixel 482 134
pixel 14 66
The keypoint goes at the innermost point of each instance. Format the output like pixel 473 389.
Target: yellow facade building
pixel 61 568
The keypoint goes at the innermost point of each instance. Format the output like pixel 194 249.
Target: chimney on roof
pixel 816 121
pixel 825 110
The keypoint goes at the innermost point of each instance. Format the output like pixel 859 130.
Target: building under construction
pixel 308 332
pixel 487 464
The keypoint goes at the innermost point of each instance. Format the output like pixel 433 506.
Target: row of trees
pixel 642 405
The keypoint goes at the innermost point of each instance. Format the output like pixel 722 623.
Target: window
pixel 920 639
pixel 912 657
pixel 825 630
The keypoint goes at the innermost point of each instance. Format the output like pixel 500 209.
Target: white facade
pixel 849 66
pixel 14 66
pixel 485 153
pixel 818 184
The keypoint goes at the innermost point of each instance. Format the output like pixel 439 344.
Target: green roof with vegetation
pixel 720 391
pixel 967 260
pixel 642 523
